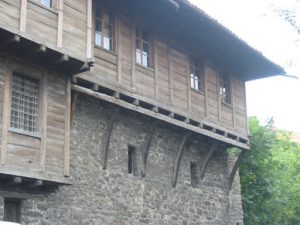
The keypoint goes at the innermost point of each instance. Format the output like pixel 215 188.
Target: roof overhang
pixel 21 46
pixel 202 36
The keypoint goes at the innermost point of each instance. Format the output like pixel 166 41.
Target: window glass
pixel 47 3
pixel 196 75
pixel 225 92
pixel 24 103
pixel 103 29
pixel 142 48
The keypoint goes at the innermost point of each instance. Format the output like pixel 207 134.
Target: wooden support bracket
pixel 107 137
pixel 147 147
pixel 210 153
pixel 14 181
pixel 235 168
pixel 35 183
pixel 178 158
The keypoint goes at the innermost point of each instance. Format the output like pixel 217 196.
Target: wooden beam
pixel 147 147
pixel 60 23
pixel 67 128
pixel 14 39
pixel 155 56
pixel 170 73
pixel 35 183
pixel 107 136
pixel 14 181
pixel 119 47
pixel 73 105
pixel 159 116
pixel 235 168
pixel 43 146
pixel 5 114
pixel 210 153
pixel 42 48
pixel 133 46
pixel 23 15
pixel 178 159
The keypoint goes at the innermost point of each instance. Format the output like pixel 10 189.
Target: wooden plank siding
pixel 46 151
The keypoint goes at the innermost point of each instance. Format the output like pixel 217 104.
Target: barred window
pixel 196 75
pixel 103 28
pixel 225 92
pixel 24 103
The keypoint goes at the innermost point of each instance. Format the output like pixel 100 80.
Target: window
pixel 131 160
pixel 225 92
pixel 142 48
pixel 194 174
pixel 24 103
pixel 196 75
pixel 103 28
pixel 47 3
pixel 12 210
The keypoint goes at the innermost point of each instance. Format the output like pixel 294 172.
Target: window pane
pixel 138 44
pixel 145 49
pixel 24 103
pixel 196 83
pixel 107 17
pixel 138 56
pixel 98 26
pixel 145 36
pixel 107 43
pixel 98 12
pixel 98 38
pixel 192 81
pixel 107 30
pixel 46 3
pixel 145 60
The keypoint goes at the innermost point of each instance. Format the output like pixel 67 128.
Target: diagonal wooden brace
pixel 147 147
pixel 178 158
pixel 107 137
pixel 210 153
pixel 235 168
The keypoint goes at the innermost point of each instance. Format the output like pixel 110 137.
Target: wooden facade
pixel 65 33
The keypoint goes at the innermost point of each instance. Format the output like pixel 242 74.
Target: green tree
pixel 270 177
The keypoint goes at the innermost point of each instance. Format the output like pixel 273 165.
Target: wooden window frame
pixel 17 208
pixel 104 8
pixel 142 43
pixel 225 88
pixel 34 75
pixel 196 78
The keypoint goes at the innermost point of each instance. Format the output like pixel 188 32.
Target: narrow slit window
pixel 225 91
pixel 12 210
pixel 196 75
pixel 194 174
pixel 24 104
pixel 131 159
pixel 103 28
pixel 142 48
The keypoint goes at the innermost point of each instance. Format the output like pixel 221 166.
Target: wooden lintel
pixel 210 153
pixel 14 181
pixel 147 147
pixel 178 158
pixel 107 136
pixel 235 168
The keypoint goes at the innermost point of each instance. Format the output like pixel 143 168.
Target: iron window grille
pixel 103 28
pixel 24 104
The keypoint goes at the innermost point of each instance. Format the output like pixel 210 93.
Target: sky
pixel 257 23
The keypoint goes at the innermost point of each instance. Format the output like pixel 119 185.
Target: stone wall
pixel 114 197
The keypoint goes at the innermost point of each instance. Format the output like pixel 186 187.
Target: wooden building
pixel 163 59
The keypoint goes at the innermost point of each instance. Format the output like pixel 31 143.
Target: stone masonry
pixel 114 197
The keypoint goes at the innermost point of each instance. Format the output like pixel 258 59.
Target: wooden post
pixel 60 21
pixel 67 128
pixel 189 97
pixel 118 48
pixel 44 122
pixel 205 91
pixel 23 15
pixel 235 168
pixel 170 73
pixel 133 78
pixel 155 56
pixel 89 29
pixel 178 159
pixel 232 101
pixel 6 114
pixel 210 153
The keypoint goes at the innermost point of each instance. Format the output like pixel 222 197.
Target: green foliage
pixel 270 177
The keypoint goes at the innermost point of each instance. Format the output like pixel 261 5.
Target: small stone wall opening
pixel 132 167
pixel 12 210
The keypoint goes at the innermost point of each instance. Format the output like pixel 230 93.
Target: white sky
pixel 256 22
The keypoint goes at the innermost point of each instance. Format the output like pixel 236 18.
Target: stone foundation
pixel 114 197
